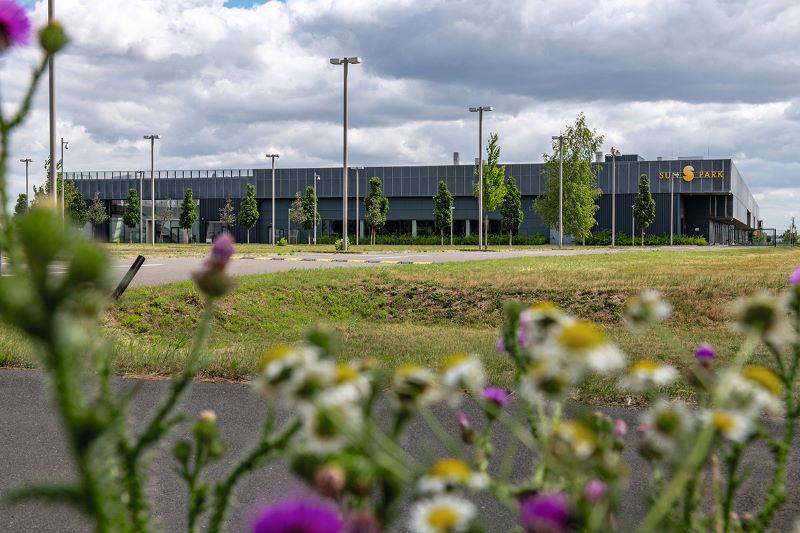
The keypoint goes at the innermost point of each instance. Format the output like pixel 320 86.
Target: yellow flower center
pixel 576 432
pixel 406 369
pixel 545 307
pixel 279 351
pixel 723 423
pixel 345 373
pixel 764 378
pixel 581 334
pixel 454 360
pixel 646 366
pixel 442 518
pixel 452 468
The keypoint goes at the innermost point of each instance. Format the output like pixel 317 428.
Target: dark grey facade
pixel 707 200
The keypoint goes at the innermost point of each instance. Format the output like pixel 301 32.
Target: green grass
pixel 422 313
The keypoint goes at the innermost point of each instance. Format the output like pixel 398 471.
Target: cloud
pixel 224 85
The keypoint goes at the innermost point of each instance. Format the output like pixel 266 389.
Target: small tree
pixel 493 188
pixel 512 208
pixel 22 205
pixel 644 208
pixel 248 213
pixel 297 213
pixel 166 217
pixel 97 212
pixel 310 207
pixel 75 204
pixel 188 214
pixel 376 201
pixel 131 214
pixel 227 216
pixel 442 209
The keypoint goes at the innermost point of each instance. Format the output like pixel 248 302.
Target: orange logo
pixel 688 173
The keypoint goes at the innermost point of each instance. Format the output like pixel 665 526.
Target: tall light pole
pixel 560 139
pixel 344 61
pixel 152 138
pixel 289 231
pixel 452 213
pixel 614 153
pixel 272 233
pixel 671 205
pixel 633 225
pixel 480 111
pixel 141 206
pixel 358 229
pixel 316 179
pixel 64 145
pixel 27 194
pixel 51 9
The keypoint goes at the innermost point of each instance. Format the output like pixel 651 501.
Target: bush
pixel 603 238
pixel 283 241
pixel 458 240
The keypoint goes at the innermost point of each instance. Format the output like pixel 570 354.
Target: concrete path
pixel 32 450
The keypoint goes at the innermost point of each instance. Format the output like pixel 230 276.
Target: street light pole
pixel 345 61
pixel 671 205
pixel 358 229
pixel 51 8
pixel 64 145
pixel 452 213
pixel 272 233
pixel 152 138
pixel 27 194
pixel 289 231
pixel 316 179
pixel 141 206
pixel 480 111
pixel 614 153
pixel 560 139
pixel 633 225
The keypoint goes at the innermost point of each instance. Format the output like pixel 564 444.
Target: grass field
pixel 422 313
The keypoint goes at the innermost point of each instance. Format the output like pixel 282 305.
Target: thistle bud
pixel 52 37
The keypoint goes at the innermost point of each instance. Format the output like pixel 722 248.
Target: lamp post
pixel 316 179
pixel 64 145
pixel 141 206
pixel 614 153
pixel 480 111
pixel 452 213
pixel 358 229
pixel 27 194
pixel 152 138
pixel 51 8
pixel 345 61
pixel 671 205
pixel 633 225
pixel 272 233
pixel 560 139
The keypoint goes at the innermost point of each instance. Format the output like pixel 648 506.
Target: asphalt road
pixel 158 269
pixel 33 451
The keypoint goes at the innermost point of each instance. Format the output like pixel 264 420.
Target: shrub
pixel 282 241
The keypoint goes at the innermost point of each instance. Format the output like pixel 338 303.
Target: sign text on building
pixel 689 174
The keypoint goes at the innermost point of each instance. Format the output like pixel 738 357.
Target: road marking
pixel 389 262
pixel 421 262
pixel 145 265
pixel 325 260
pixel 356 260
pixel 263 258
pixel 293 259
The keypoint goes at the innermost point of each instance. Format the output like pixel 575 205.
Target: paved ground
pixel 32 451
pixel 157 270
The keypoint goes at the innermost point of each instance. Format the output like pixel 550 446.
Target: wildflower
pixel 757 389
pixel 443 513
pixel 298 516
pixel 794 278
pixel 496 395
pixel 208 415
pixel 585 346
pixel 766 315
pixel 571 437
pixel 362 522
pixel 536 322
pixel 327 428
pixel 620 428
pixel 500 345
pixel 467 433
pixel 211 278
pixel 595 490
pixel 647 308
pixel 413 384
pixel 15 28
pixel 645 374
pixel 545 513
pixel 546 378
pixel 293 372
pixel 348 385
pixel 447 474
pixel 330 481
pixel 461 371
pixel 705 352
pixel 731 425
pixel 665 424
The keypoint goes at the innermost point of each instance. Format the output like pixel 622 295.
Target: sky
pixel 225 82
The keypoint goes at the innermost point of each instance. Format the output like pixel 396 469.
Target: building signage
pixel 689 174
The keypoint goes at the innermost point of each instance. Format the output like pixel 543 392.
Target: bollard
pixel 137 264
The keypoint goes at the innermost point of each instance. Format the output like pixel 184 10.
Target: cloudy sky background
pixel 226 82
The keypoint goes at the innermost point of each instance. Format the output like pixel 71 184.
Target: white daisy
pixel 348 385
pixel 667 424
pixel 546 378
pixel 647 308
pixel 732 425
pixel 412 384
pixel 646 374
pixel 284 364
pixel 447 474
pixel 537 321
pixel 327 428
pixel 573 439
pixel 584 347
pixel 766 314
pixel 757 389
pixel 460 372
pixel 442 514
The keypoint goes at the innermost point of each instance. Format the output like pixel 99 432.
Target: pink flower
pixel 211 278
pixel 595 490
pixel 794 278
pixel 298 516
pixel 620 428
pixel 545 513
pixel 15 28
pixel 705 352
pixel 222 250
pixel 496 396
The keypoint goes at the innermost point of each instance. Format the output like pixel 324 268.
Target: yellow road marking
pixel 293 259
pixel 356 260
pixel 326 260
pixel 264 258
pixel 390 262
pixel 236 257
pixel 422 263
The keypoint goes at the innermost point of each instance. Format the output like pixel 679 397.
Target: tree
pixel 166 217
pixel 644 208
pixel 188 214
pixel 310 207
pixel 493 178
pixel 297 213
pixel 97 212
pixel 226 214
pixel 512 208
pixel 442 209
pixel 248 212
pixel 131 214
pixel 580 181
pixel 75 205
pixel 22 205
pixel 379 205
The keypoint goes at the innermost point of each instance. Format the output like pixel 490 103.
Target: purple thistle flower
pixel 620 428
pixel 222 250
pixel 298 516
pixel 500 345
pixel 496 396
pixel 595 490
pixel 794 278
pixel 545 513
pixel 15 28
pixel 705 352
